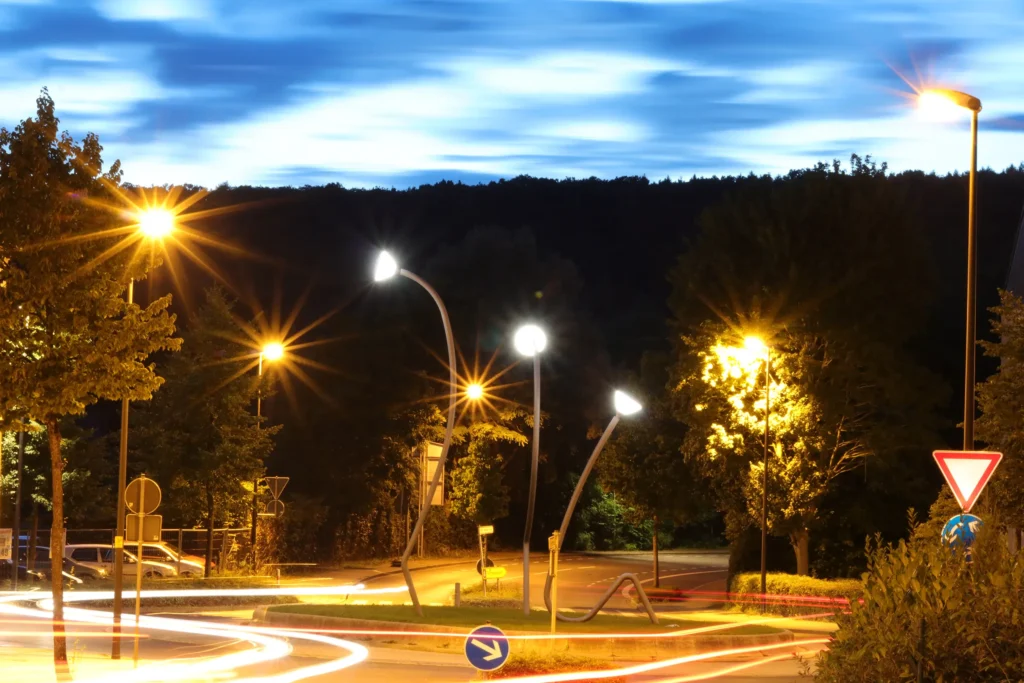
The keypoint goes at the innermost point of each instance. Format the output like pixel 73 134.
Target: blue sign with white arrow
pixel 960 531
pixel 486 648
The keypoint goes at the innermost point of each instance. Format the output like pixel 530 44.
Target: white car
pixel 101 556
pixel 188 565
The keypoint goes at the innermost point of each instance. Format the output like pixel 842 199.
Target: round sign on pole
pixel 276 508
pixel 961 530
pixel 487 648
pixel 133 494
pixel 479 568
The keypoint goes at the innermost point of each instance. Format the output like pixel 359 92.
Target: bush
pixel 971 616
pixel 520 664
pixel 510 596
pixel 823 594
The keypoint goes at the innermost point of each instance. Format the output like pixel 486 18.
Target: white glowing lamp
pixel 386 268
pixel 156 223
pixel 530 340
pixel 626 404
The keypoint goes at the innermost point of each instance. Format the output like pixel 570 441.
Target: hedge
pixel 789 594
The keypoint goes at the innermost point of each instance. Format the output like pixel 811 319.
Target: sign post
pixel 483 532
pixel 966 473
pixel 6 538
pixel 142 496
pixel 554 545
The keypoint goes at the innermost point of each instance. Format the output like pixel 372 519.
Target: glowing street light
pixel 272 351
pixel 938 99
pixel 474 392
pixel 156 223
pixel 625 405
pixel 530 340
pixel 385 269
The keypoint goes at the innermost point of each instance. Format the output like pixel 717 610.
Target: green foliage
pixel 746 588
pixel 971 615
pixel 200 437
pixel 478 491
pixel 1001 401
pixel 602 522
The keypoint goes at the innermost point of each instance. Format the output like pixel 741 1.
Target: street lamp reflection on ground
pixel 530 340
pixel 931 100
pixel 153 224
pixel 386 268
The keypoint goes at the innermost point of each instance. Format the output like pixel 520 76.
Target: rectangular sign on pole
pixel 152 526
pixel 485 530
pixel 433 461
pixel 6 543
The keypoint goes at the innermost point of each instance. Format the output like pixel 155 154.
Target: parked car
pixel 189 565
pixel 101 556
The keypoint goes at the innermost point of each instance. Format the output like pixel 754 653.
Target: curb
pixel 600 648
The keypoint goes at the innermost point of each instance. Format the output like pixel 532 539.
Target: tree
pixel 200 436
pixel 70 338
pixel 643 464
pixel 829 267
pixel 1001 402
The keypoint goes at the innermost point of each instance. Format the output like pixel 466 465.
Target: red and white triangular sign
pixel 967 472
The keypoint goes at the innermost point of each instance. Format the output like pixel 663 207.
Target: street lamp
pixel 759 350
pixel 153 225
pixel 385 269
pixel 474 392
pixel 530 340
pixel 271 351
pixel 625 405
pixel 930 100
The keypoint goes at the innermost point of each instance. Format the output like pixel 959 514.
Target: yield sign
pixel 967 472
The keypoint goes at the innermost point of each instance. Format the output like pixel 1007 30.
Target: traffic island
pixel 444 629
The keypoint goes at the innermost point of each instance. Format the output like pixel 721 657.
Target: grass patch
pixel 746 587
pixel 507 596
pixel 511 619
pixel 531 664
pixel 193 584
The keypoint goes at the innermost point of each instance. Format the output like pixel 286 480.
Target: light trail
pixel 654 666
pixel 718 673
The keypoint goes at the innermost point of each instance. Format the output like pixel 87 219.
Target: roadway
pixel 583 578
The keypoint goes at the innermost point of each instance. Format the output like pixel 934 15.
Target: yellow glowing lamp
pixel 156 223
pixel 273 351
pixel 474 392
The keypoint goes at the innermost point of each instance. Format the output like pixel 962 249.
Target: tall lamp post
pixel 385 269
pixel 271 352
pixel 933 99
pixel 530 340
pixel 757 347
pixel 154 225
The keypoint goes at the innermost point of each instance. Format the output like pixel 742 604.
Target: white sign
pixel 433 459
pixel 967 472
pixel 6 537
pixel 485 530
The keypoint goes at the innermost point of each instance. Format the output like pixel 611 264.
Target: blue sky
pixel 398 93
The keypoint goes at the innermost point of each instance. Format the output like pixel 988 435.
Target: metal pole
pixel 17 511
pixel 122 483
pixel 452 386
pixel 764 482
pixel 533 484
pixel 972 276
pixel 138 567
pixel 255 482
pixel 181 549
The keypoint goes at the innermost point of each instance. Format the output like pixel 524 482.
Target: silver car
pixel 101 556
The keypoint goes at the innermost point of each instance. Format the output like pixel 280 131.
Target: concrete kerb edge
pixel 612 648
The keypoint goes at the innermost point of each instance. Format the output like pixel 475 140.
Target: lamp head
pixel 386 268
pixel 156 223
pixel 940 102
pixel 273 351
pixel 756 346
pixel 626 404
pixel 530 340
pixel 474 392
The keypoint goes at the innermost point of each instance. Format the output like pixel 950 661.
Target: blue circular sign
pixel 961 530
pixel 486 648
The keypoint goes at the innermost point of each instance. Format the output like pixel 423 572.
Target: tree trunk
pixel 800 542
pixel 60 645
pixel 209 533
pixel 654 544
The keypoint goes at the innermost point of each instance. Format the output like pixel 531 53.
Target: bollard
pixel 458 594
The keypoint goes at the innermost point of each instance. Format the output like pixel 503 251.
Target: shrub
pixel 821 594
pixel 509 595
pixel 520 664
pixel 971 616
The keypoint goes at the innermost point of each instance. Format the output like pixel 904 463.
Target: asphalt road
pixel 583 578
